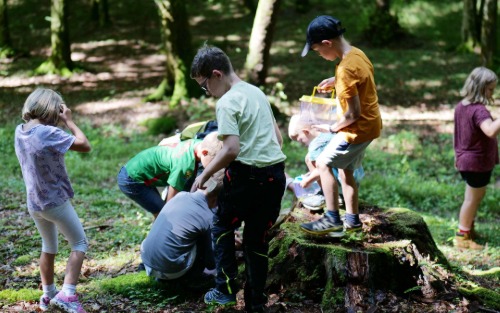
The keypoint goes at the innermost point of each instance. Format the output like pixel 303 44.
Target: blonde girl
pixel 40 147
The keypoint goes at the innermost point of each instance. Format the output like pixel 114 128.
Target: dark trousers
pixel 251 195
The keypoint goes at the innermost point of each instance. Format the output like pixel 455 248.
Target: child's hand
pixel 65 113
pixel 199 182
pixel 305 183
pixel 327 85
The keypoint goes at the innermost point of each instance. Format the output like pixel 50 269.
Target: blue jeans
pixel 252 195
pixel 147 197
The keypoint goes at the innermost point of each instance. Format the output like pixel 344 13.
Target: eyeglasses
pixel 204 86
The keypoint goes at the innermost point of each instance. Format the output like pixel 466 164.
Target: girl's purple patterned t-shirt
pixel 40 152
pixel 474 151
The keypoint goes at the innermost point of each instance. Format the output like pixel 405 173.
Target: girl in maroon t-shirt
pixel 476 148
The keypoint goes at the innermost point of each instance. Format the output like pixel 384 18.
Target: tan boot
pixel 464 240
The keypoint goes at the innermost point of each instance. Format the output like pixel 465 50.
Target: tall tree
pixel 5 42
pixel 59 61
pixel 489 32
pixel 100 12
pixel 384 24
pixel 176 39
pixel 257 61
pixel 470 23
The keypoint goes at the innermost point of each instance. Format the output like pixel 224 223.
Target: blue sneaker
pixel 348 227
pixel 214 296
pixel 322 226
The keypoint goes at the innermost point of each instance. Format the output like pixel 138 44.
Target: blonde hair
pixel 211 143
pixel 43 104
pixel 296 125
pixel 474 89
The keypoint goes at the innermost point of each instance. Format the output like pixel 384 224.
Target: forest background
pixel 118 86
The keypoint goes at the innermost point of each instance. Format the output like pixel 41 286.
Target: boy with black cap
pixel 358 122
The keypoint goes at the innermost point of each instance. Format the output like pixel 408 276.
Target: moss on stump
pixel 395 252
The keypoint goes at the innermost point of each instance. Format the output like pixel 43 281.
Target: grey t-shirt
pixel 40 152
pixel 185 220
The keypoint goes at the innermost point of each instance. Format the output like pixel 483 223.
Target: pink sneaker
pixel 69 304
pixel 44 303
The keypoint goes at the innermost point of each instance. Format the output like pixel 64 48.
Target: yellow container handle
pixel 315 89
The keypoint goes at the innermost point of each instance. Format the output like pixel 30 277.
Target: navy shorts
pixel 476 179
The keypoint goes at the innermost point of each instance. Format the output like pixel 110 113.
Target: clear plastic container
pixel 301 192
pixel 318 110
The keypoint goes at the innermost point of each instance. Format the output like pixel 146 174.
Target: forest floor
pixel 120 73
pixel 128 110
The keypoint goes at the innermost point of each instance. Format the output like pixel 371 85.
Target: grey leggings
pixel 64 219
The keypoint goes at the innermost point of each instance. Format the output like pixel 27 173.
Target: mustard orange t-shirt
pixel 354 76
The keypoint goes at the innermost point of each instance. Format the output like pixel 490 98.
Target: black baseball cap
pixel 323 27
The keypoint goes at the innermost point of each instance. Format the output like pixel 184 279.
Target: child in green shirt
pixel 171 165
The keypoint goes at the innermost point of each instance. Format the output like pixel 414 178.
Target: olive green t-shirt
pixel 170 165
pixel 244 111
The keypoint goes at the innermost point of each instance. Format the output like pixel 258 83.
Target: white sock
pixel 69 290
pixel 463 228
pixel 49 290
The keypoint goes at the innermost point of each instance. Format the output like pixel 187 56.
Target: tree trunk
pixel 395 253
pixel 470 34
pixel 257 61
pixel 100 12
pixel 61 47
pixel 4 25
pixel 489 32
pixel 176 39
pixel 385 25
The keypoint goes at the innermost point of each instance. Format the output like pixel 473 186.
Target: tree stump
pixel 395 253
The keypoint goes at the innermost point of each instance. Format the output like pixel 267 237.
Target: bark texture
pixel 178 50
pixel 61 47
pixel 394 253
pixel 257 62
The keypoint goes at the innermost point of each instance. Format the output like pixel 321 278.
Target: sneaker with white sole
pixel 68 304
pixel 314 202
pixel 44 303
pixel 322 226
pixel 214 296
pixel 348 227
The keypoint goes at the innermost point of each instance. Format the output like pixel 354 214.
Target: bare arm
pixel 326 85
pixel 307 180
pixel 278 134
pixel 81 143
pixel 228 153
pixel 171 193
pixel 350 116
pixel 490 128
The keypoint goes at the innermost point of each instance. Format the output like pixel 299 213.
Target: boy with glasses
pixel 254 180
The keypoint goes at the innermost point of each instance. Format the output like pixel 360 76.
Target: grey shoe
pixel 314 202
pixel 322 226
pixel 348 227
